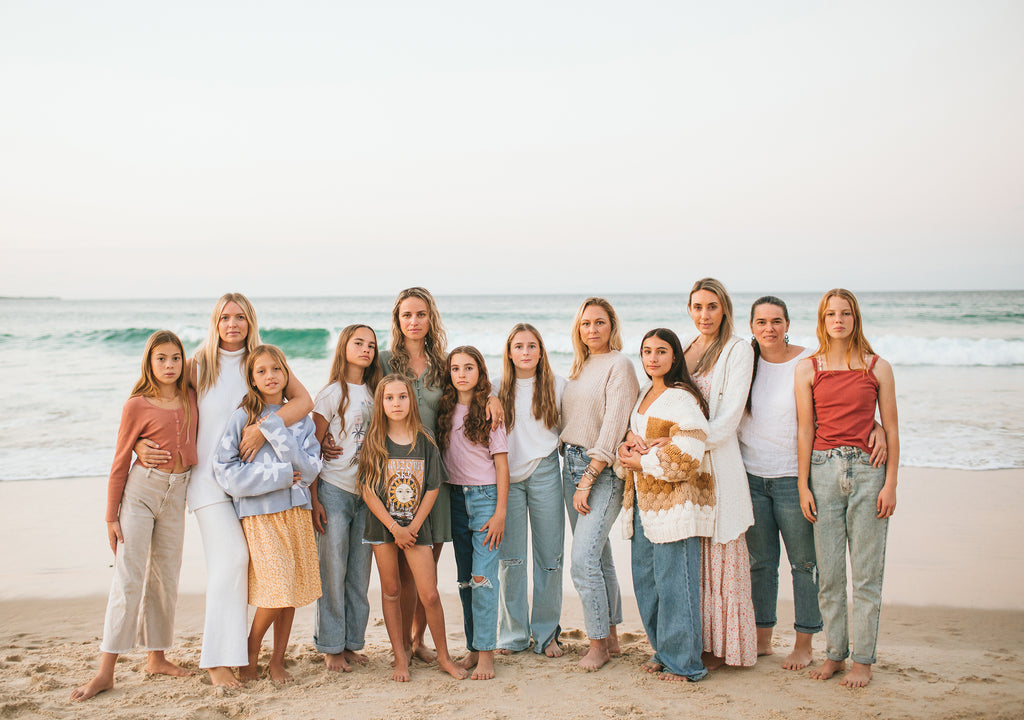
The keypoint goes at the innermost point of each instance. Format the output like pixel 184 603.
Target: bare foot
pixel 764 641
pixel 336 663
pixel 858 677
pixel 249 672
pixel 672 677
pixel 485 667
pixel 355 657
pixel 451 668
pixel 652 667
pixel 827 669
pixel 223 677
pixel 163 666
pixel 98 684
pixel 595 658
pixel 278 674
pixel 506 651
pixel 424 653
pixel 711 662
pixel 798 659
pixel 408 657
pixel 612 643
pixel 469 661
pixel 401 673
pixel 553 649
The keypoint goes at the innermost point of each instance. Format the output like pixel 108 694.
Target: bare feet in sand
pixel 827 669
pixel 798 659
pixel 672 677
pixel 250 672
pixel 612 644
pixel 484 667
pixel 223 677
pixel 337 662
pixel 553 650
pixel 95 686
pixel 506 651
pixel 278 674
pixel 355 657
pixel 652 667
pixel 711 662
pixel 401 673
pixel 764 641
pixel 858 677
pixel 424 653
pixel 469 662
pixel 596 657
pixel 157 664
pixel 452 669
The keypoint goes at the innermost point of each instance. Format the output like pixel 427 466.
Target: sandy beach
pixel 951 643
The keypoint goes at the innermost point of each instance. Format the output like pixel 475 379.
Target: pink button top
pixel 469 463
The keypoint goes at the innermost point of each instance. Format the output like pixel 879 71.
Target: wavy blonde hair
pixel 858 346
pixel 544 406
pixel 433 344
pixel 207 358
pixel 148 386
pixel 253 403
pixel 580 350
pixel 373 456
pixel 710 356
pixel 371 374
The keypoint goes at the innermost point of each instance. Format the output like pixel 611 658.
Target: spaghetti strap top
pixel 844 406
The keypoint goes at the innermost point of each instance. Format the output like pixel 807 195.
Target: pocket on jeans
pixel 488 491
pixel 818 457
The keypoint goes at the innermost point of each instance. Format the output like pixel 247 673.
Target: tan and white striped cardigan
pixel 675 489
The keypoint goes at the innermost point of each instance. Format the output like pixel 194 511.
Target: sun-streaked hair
pixel 580 350
pixel 253 403
pixel 373 456
pixel 371 374
pixel 710 356
pixel 148 386
pixel 476 426
pixel 207 359
pixel 434 342
pixel 544 405
pixel 858 347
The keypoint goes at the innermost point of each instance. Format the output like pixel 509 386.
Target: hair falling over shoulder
pixel 207 358
pixel 677 376
pixel 476 427
pixel 433 344
pixel 373 456
pixel 580 351
pixel 339 367
pixel 544 405
pixel 253 403
pixel 147 385
pixel 714 350
pixel 858 348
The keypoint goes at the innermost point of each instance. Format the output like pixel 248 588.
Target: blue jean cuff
pixel 808 630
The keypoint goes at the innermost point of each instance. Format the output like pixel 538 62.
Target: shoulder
pixel 677 404
pixel 385 360
pixel 738 350
pixel 882 369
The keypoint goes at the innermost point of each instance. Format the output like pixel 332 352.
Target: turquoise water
pixel 958 358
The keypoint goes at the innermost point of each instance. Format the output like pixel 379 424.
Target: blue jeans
pixel 593 571
pixel 777 510
pixel 472 506
pixel 341 613
pixel 845 489
pixel 666 580
pixel 541 496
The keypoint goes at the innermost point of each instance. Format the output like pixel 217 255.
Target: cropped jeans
pixel 776 504
pixel 845 489
pixel 472 506
pixel 538 497
pixel 341 613
pixel 592 570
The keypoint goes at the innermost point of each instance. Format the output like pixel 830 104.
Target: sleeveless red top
pixel 844 406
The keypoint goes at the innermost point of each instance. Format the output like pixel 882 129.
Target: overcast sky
pixel 297 148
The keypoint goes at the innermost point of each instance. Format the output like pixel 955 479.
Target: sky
pixel 187 149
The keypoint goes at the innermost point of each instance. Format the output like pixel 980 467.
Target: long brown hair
pixel 710 356
pixel 433 344
pixel 476 426
pixel 207 357
pixel 148 386
pixel 371 374
pixel 253 403
pixel 858 346
pixel 544 406
pixel 677 376
pixel 373 456
pixel 580 350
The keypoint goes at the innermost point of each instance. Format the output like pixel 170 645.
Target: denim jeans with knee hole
pixel 776 504
pixel 472 506
pixel 592 570
pixel 539 499
pixel 341 613
pixel 845 489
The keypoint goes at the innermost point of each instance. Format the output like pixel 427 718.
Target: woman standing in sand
pixel 848 499
pixel 596 405
pixel 218 374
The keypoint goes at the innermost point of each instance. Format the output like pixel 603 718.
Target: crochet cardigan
pixel 674 489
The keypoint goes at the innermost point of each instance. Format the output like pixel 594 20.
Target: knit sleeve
pixel 128 433
pixel 738 366
pixel 239 479
pixel 678 460
pixel 620 392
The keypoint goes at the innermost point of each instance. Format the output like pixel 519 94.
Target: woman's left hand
pixel 494 412
pixel 495 529
pixel 629 457
pixel 886 502
pixel 579 501
pixel 252 440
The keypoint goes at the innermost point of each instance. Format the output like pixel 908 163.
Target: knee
pixel 555 567
pixel 809 569
pixel 429 597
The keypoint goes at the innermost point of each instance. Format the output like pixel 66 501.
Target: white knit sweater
pixel 596 405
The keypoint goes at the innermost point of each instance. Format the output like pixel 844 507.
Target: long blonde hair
pixel 207 358
pixel 147 385
pixel 433 344
pixel 373 456
pixel 858 345
pixel 544 406
pixel 710 356
pixel 371 374
pixel 580 350
pixel 253 403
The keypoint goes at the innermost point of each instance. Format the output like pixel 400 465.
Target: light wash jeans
pixel 472 506
pixel 666 579
pixel 341 613
pixel 776 504
pixel 592 570
pixel 845 489
pixel 540 496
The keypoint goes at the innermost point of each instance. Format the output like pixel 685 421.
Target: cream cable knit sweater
pixel 596 405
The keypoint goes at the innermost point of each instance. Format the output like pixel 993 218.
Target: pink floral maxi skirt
pixel 727 611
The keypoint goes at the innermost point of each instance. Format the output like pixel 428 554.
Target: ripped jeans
pixel 472 506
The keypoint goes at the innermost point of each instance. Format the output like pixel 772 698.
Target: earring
pixel 753 339
pixel 786 338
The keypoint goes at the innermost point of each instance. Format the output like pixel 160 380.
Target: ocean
pixel 958 359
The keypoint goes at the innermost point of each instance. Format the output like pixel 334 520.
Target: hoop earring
pixel 786 338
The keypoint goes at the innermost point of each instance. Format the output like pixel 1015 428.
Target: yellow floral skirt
pixel 284 570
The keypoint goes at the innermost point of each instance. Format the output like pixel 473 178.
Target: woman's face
pixel 769 326
pixel 839 321
pixel 414 318
pixel 707 312
pixel 232 327
pixel 361 349
pixel 657 356
pixel 166 362
pixel 524 352
pixel 596 329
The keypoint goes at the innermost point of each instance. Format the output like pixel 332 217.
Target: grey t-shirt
pixel 409 473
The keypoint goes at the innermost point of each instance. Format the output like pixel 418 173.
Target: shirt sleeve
pixel 679 460
pixel 128 433
pixel 619 397
pixel 264 474
pixel 434 472
pixel 295 445
pixel 738 366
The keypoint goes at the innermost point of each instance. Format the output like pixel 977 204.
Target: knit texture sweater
pixel 596 405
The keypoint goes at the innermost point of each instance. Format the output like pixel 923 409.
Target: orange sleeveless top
pixel 844 406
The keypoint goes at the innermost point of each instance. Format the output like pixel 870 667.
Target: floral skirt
pixel 284 570
pixel 727 611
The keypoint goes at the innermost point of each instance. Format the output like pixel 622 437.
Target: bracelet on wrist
pixel 585 487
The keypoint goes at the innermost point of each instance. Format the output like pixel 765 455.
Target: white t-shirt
pixel 343 471
pixel 530 441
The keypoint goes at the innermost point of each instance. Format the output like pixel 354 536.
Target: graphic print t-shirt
pixel 409 475
pixel 343 471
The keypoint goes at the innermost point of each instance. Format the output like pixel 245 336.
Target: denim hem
pixel 771 624
pixel 859 659
pixel 538 647
pixel 831 656
pixel 338 650
pixel 808 630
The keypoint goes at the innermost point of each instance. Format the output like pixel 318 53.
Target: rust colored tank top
pixel 844 406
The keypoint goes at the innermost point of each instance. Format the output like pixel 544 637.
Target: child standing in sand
pixel 146 514
pixel 400 471
pixel 848 500
pixel 477 460
pixel 272 499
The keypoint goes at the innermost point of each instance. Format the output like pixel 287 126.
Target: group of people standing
pixel 726 446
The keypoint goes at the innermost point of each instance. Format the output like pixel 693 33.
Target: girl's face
pixel 525 353
pixel 839 320
pixel 657 356
pixel 233 327
pixel 270 378
pixel 596 329
pixel 361 349
pixel 414 318
pixel 465 373
pixel 166 362
pixel 769 326
pixel 707 312
pixel 396 400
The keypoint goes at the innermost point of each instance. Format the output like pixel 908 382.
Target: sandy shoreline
pixel 951 642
